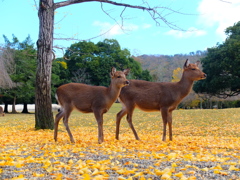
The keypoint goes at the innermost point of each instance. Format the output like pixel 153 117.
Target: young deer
pixel 156 96
pixel 87 99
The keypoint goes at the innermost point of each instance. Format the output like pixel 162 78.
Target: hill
pixel 161 66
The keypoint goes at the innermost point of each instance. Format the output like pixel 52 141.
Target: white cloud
pixel 146 26
pixel 221 13
pixel 110 30
pixel 191 32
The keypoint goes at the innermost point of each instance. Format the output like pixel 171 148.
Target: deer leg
pixel 65 121
pixel 170 125
pixel 164 112
pixel 57 119
pixel 99 118
pixel 122 113
pixel 129 119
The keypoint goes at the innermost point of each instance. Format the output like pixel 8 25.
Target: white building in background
pixel 31 107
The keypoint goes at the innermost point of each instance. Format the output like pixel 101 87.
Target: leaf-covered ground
pixel 206 146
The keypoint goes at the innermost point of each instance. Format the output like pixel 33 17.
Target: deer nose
pixel 204 76
pixel 127 82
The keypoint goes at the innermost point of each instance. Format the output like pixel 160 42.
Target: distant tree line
pixel 161 66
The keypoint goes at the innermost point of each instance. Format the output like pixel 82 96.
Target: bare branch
pixel 75 39
pixel 61 19
pixel 37 8
pixel 70 50
pixel 80 76
pixel 121 15
pixel 69 2
pixel 54 56
pixel 66 3
pixel 61 48
pixel 153 11
pixel 108 14
pixel 121 26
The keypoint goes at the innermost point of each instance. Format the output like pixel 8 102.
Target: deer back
pixel 79 96
pixel 148 96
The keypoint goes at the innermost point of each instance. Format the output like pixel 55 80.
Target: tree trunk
pixel 201 103
pixel 6 107
pixel 25 109
pixel 43 101
pixel 14 105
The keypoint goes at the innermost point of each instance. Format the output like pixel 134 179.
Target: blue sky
pixel 205 23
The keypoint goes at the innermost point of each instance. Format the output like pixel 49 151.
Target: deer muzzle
pixel 204 76
pixel 127 83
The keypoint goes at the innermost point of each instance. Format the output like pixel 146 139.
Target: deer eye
pixel 193 69
pixel 119 77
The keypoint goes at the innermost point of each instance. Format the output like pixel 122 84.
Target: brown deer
pixel 157 96
pixel 87 99
pixel 2 111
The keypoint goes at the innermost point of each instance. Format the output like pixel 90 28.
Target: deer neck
pixel 113 92
pixel 185 85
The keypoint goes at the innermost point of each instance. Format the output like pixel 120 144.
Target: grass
pixel 206 145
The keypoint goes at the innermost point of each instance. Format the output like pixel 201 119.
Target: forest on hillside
pixel 161 67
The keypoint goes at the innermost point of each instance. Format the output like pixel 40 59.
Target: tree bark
pixel 14 105
pixel 43 101
pixel 25 109
pixel 6 107
pixel 201 103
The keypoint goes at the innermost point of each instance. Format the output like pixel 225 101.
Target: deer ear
pixel 126 71
pixel 197 63
pixel 186 64
pixel 113 71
